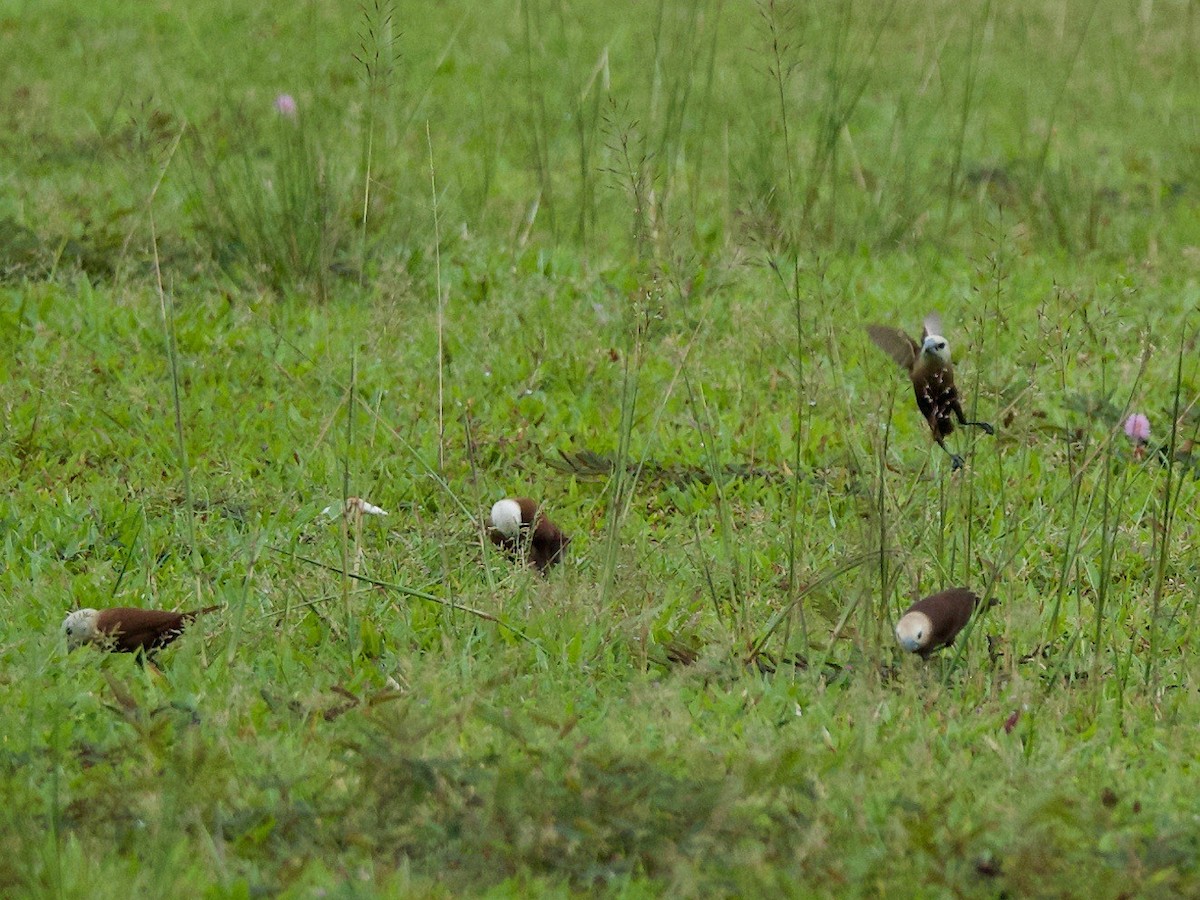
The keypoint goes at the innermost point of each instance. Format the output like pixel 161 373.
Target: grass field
pixel 254 261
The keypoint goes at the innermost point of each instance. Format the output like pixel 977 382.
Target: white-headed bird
pixel 934 622
pixel 127 629
pixel 522 530
pixel 928 365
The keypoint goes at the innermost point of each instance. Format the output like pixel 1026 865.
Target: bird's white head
pixel 506 517
pixel 80 627
pixel 914 631
pixel 935 345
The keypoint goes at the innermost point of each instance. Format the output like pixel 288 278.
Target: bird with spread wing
pixel 928 365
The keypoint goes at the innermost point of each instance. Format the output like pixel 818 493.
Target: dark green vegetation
pixel 656 233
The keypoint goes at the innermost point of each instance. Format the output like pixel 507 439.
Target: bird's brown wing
pixel 937 398
pixel 933 325
pixel 133 629
pixel 896 344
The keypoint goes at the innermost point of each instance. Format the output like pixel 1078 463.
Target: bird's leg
pixel 962 420
pixel 956 461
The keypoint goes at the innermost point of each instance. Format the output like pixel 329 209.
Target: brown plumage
pixel 518 527
pixel 127 629
pixel 934 622
pixel 928 365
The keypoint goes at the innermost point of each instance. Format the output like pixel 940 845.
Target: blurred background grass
pixel 659 231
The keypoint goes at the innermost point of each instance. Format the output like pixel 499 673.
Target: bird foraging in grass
pixel 127 629
pixel 518 527
pixel 928 365
pixel 935 621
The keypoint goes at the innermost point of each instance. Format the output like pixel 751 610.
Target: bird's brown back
pixel 132 629
pixel 529 509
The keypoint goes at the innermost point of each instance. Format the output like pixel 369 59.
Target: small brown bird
pixel 935 622
pixel 928 365
pixel 127 629
pixel 519 527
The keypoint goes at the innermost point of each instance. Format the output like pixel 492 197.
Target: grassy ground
pixel 620 262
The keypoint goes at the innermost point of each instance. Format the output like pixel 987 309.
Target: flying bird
pixel 127 629
pixel 518 527
pixel 928 365
pixel 934 622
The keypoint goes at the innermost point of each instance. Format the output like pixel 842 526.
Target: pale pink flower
pixel 285 105
pixel 1137 427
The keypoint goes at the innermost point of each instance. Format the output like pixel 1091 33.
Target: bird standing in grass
pixel 934 622
pixel 928 365
pixel 519 527
pixel 127 629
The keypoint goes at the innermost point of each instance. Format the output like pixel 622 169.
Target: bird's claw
pixel 988 429
pixel 956 462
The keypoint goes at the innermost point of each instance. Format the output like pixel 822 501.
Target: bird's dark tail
pixel 201 612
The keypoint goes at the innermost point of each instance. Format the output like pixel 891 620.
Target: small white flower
pixel 827 738
pixel 354 505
